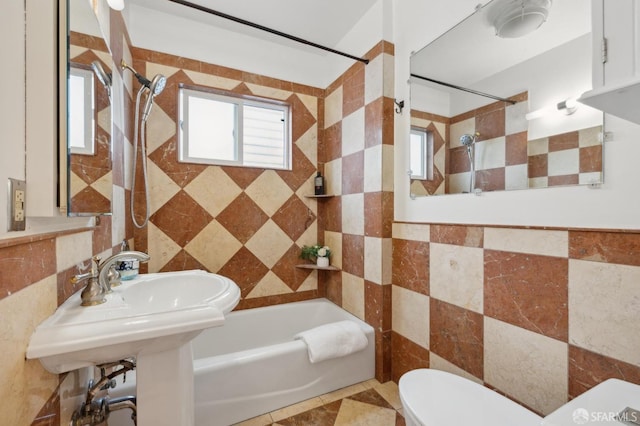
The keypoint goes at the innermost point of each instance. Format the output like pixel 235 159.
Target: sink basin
pixel 148 314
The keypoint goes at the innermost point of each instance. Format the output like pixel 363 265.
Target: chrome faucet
pixel 102 276
pixel 105 274
pixel 93 293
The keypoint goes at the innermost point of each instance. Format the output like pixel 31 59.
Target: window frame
pixel 238 100
pixel 89 114
pixel 426 153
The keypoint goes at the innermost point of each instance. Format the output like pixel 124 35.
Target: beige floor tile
pixel 389 391
pixel 354 413
pixel 262 420
pixel 371 383
pixel 343 393
pixel 298 408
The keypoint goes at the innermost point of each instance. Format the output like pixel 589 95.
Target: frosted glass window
pixel 224 129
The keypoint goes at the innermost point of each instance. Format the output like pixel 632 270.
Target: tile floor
pixel 368 403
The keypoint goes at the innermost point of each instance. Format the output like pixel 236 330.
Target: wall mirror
pixel 89 153
pixel 496 112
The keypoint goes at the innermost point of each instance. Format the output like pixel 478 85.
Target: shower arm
pixel 141 79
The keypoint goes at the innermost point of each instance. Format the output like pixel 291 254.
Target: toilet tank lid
pixel 442 398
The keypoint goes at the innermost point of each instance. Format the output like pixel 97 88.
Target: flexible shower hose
pixel 142 142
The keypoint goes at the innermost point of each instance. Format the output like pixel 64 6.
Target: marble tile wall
pixel 439 128
pixel 356 153
pixel 539 315
pixel 91 178
pixel 567 159
pixel 500 148
pixel 245 223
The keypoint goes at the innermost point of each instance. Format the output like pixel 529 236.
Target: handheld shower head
pixel 467 139
pixel 155 88
pixel 105 78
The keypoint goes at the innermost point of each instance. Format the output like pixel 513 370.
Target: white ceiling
pixel 168 27
pixel 325 22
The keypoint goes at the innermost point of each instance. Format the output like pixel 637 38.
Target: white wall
pixel 12 102
pixel 614 205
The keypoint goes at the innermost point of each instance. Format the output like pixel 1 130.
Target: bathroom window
pixel 421 147
pixel 225 129
pixel 81 111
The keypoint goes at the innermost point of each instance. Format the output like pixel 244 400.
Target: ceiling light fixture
pixel 116 4
pixel 517 18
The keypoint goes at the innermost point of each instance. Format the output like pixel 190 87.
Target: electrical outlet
pixel 17 205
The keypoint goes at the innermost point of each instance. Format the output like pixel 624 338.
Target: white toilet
pixel 437 398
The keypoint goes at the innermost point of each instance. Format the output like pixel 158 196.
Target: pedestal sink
pixel 153 318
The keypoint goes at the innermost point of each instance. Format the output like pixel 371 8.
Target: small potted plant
pixel 319 253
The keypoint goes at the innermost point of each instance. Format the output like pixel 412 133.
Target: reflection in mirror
pixel 89 113
pixel 499 113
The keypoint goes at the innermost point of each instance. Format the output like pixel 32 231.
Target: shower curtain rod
pixel 267 29
pixel 464 89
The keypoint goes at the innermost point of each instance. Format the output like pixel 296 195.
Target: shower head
pixel 104 78
pixel 156 86
pixel 467 139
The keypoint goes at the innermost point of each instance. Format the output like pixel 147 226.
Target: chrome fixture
pixel 96 411
pixel 104 77
pixel 93 293
pixel 106 270
pixel 153 88
pixel 103 276
pixel 469 141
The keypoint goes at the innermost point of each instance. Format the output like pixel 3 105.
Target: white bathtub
pixel 251 365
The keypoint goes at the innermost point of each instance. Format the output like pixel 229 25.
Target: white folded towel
pixel 333 340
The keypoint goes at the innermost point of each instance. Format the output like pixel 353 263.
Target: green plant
pixel 315 251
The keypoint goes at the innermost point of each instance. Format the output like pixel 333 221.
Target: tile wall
pixel 357 154
pixel 567 159
pixel 91 178
pixel 500 148
pixel 439 128
pixel 539 315
pixel 245 223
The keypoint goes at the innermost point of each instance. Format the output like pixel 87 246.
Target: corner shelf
pixel 322 268
pixel 320 196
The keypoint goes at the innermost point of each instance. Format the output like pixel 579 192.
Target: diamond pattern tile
pixel 269 285
pixel 245 269
pixel 269 244
pixel 213 247
pixel 286 269
pixel 302 170
pixel 162 250
pixel 161 187
pixel 293 217
pixel 213 198
pixel 242 176
pixel 166 158
pixel 269 192
pixel 181 218
pixel 242 218
pixel 302 120
pixel 182 261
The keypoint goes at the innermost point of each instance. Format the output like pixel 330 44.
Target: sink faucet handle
pixel 81 277
pixel 95 265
